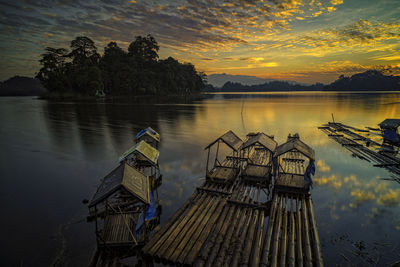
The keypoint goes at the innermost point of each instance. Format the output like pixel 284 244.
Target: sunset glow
pixel 302 40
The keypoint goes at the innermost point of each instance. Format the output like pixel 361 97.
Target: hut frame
pixel 231 140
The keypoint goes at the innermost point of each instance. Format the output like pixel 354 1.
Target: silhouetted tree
pixel 137 71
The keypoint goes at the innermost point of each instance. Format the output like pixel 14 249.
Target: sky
pixel 301 40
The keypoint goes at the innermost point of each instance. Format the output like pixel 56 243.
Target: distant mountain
pixel 218 80
pixel 21 86
pixel 370 80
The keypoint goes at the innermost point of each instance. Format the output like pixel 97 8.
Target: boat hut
pixel 390 131
pixel 149 135
pixel 122 198
pixel 260 149
pixel 294 164
pixel 144 157
pixel 226 170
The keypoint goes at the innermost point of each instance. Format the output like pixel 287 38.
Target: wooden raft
pixel 355 145
pixel 228 224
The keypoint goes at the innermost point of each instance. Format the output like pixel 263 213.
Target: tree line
pixel 137 71
pixel 370 80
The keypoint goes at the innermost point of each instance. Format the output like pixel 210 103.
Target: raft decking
pixel 360 146
pixel 240 222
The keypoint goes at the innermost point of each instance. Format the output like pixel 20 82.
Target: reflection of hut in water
pixel 390 131
pixel 149 135
pixel 294 164
pixel 144 157
pixel 124 200
pixel 259 150
pixel 226 170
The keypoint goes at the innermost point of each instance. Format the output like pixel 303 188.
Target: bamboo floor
pixel 231 224
pixel 356 144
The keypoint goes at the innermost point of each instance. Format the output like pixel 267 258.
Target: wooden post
pixel 208 158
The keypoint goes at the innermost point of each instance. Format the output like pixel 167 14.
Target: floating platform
pixel 245 221
pixel 363 147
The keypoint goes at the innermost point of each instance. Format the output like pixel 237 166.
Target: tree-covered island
pixel 138 71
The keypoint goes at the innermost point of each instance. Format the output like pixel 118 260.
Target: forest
pixel 370 80
pixel 137 71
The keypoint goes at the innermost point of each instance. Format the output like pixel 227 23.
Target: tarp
pixel 144 149
pixel 390 123
pixel 309 171
pixel 298 145
pixel 262 139
pixel 230 139
pixel 391 134
pixel 149 131
pixel 151 212
pixel 124 176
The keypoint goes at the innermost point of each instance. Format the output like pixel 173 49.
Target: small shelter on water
pixel 149 135
pixel 143 157
pixel 226 170
pixel 123 197
pixel 259 150
pixel 294 165
pixel 390 131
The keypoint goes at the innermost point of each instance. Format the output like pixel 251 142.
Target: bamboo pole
pixel 154 244
pixel 284 234
pixel 227 240
pixel 239 240
pixel 190 258
pixel 195 243
pixel 291 257
pixel 306 234
pixel 169 237
pixel 258 241
pixel 250 240
pixel 317 246
pixel 299 248
pixel 268 234
pixel 277 232
pixel 172 251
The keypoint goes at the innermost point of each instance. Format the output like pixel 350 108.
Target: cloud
pixel 322 166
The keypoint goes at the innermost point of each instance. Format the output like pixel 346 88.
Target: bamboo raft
pixel 360 147
pixel 240 221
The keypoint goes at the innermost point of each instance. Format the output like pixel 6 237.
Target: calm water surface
pixel 53 155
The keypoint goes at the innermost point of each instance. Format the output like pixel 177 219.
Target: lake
pixel 53 155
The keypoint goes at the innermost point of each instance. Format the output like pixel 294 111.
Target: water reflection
pixel 67 147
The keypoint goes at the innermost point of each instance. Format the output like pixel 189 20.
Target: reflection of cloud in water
pixel 391 198
pixel 322 166
pixel 332 180
pixel 361 197
pixel 364 191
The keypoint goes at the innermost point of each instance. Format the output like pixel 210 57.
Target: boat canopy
pixel 230 139
pixel 124 176
pixel 144 149
pixel 150 132
pixel 262 139
pixel 295 144
pixel 390 124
